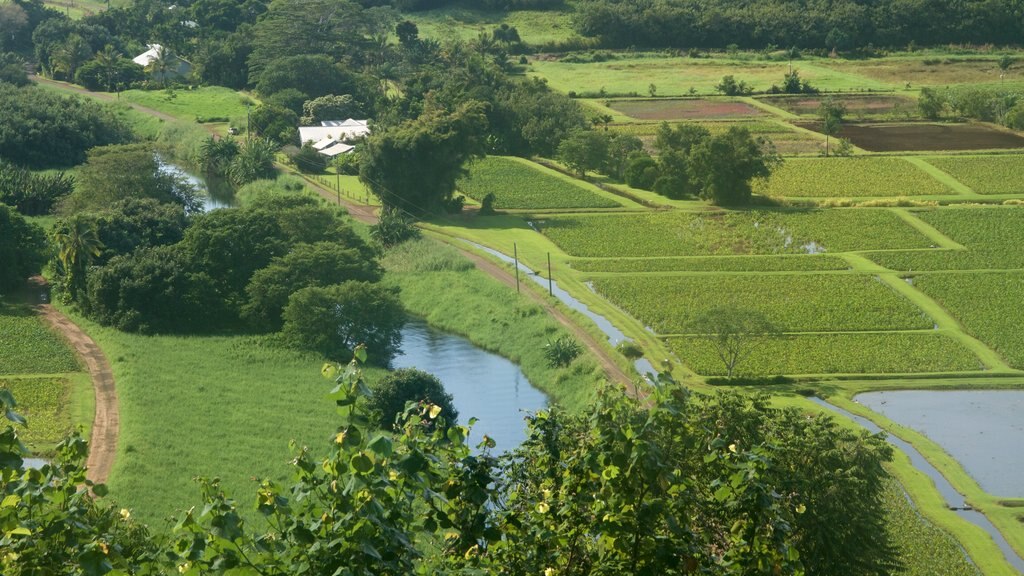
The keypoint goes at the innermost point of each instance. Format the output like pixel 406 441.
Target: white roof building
pixel 148 56
pixel 330 136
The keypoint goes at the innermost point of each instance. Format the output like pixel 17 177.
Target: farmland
pixel 866 353
pixel 925 137
pixel 849 178
pixel 44 404
pixel 982 302
pixel 517 184
pixel 707 234
pixel 985 174
pixel 798 303
pixel 857 107
pixel 713 264
pixel 688 109
pixel 29 347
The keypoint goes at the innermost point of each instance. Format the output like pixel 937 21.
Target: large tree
pixel 723 166
pixel 734 334
pixel 296 27
pixel 114 173
pixel 413 167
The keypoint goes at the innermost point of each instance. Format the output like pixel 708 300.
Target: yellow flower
pixel 125 514
pixel 543 507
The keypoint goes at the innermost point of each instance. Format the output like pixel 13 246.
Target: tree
pixel 134 223
pixel 408 33
pixel 393 228
pixel 328 27
pixel 642 171
pixel 319 264
pixel 584 150
pixel 620 148
pixel 391 394
pixel 13 19
pixel 254 161
pixel 731 87
pixel 330 107
pixel 333 320
pixel 77 243
pixel 734 333
pixel 22 249
pixel 931 103
pixel 831 112
pixel 163 65
pixel 32 194
pixel 1004 66
pixel 274 123
pixel 12 70
pixel 414 166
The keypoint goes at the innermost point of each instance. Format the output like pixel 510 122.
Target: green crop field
pixel 985 174
pixel 676 76
pixel 852 353
pixel 987 305
pixel 798 303
pixel 754 232
pixel 519 184
pixel 849 178
pixel 29 347
pixel 924 549
pixel 43 403
pixel 713 264
pixel 930 260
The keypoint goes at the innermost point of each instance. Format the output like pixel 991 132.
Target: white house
pixel 182 67
pixel 331 137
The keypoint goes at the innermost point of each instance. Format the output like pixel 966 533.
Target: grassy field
pixel 754 232
pixel 849 178
pixel 203 104
pixel 929 70
pixel 849 353
pixel 520 184
pixel 792 303
pixel 985 174
pixel 534 26
pixel 27 346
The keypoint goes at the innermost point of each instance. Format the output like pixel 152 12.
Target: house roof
pixel 148 56
pixel 336 149
pixel 338 130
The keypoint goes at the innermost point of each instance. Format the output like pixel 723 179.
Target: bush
pixel 562 351
pixel 393 228
pixel 487 205
pixel 750 381
pixel 405 385
pixel 22 248
pixel 642 171
pixel 32 194
pixel 333 320
pixel 629 350
pixel 308 159
pixel 731 87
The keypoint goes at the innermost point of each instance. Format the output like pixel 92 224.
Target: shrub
pixel 405 385
pixel 308 159
pixel 562 351
pixel 22 248
pixel 487 205
pixel 393 228
pixel 32 194
pixel 630 350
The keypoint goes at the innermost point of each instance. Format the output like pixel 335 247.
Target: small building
pixel 180 69
pixel 334 137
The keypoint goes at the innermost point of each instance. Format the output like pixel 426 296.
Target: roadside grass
pixel 196 104
pixel 520 184
pixel 675 76
pixel 849 178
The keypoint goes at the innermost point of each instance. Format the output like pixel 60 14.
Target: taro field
pixel 985 174
pixel 29 347
pixel 852 177
pixel 519 184
pixel 786 263
pixel 42 401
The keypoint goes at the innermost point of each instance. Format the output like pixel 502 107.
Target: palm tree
pixel 161 66
pixel 109 59
pixel 77 242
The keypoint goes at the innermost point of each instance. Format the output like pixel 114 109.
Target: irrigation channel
pixel 954 500
pixel 615 336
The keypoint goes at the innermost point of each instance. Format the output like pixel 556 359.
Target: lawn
pixel 754 232
pixel 849 178
pixel 632 75
pixel 929 70
pixel 209 103
pixel 520 184
pixel 792 303
pixel 27 346
pixel 986 304
pixel 985 174
pixel 852 353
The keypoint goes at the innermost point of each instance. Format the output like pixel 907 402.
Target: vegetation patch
pixel 985 174
pixel 924 549
pixel 984 304
pixel 196 104
pixel 43 403
pixel 856 106
pixel 852 353
pixel 754 232
pixel 849 178
pixel 27 346
pixel 516 184
pixel 713 264
pixel 683 109
pixel 924 137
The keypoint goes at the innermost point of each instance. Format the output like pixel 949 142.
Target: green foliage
pixel 309 160
pixel 217 154
pixel 584 150
pixel 274 123
pixel 734 333
pixel 29 347
pixel 42 402
pixel 729 86
pixel 562 351
pixel 713 264
pixel 980 302
pixel 319 264
pixel 420 256
pixel 32 194
pixel 333 320
pixel 134 223
pixel 924 548
pixel 985 174
pixel 629 350
pixel 518 184
pixel 804 303
pixel 255 161
pixel 931 103
pixel 641 171
pixel 393 228
pixel 392 393
pixel 109 72
pixel 22 248
pixel 849 178
pixel 753 232
pixel 414 166
pixel 723 166
pixel 77 243
pixel 831 113
pixel 330 107
pixel 44 129
pixel 849 353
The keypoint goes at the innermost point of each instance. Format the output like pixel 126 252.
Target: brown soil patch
pixel 688 109
pixel 925 137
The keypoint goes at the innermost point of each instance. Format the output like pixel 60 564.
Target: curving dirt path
pixel 106 420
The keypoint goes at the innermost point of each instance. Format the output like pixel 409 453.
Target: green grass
pixel 203 103
pixel 849 178
pixel 852 353
pixel 675 76
pixel 754 232
pixel 534 26
pixel 520 184
pixel 713 264
pixel 798 303
pixel 986 304
pixel 44 404
pixel 924 549
pixel 27 346
pixel 438 285
pixel 985 174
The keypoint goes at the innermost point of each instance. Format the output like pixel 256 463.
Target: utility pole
pixel 551 290
pixel 247 122
pixel 515 253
